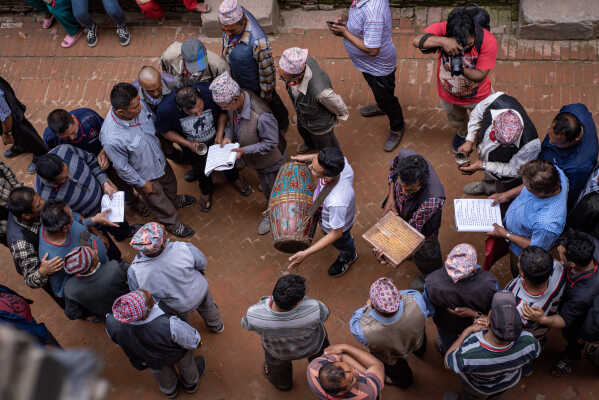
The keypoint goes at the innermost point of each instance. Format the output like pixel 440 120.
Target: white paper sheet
pixel 116 206
pixel 220 158
pixel 476 215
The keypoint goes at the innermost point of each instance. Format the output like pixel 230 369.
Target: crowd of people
pixel 548 192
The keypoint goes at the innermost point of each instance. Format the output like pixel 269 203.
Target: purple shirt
pixel 370 20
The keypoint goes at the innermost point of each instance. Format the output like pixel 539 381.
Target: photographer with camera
pixel 467 52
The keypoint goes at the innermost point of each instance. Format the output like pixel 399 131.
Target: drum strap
pixel 320 198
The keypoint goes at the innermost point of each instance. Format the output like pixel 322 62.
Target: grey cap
pixel 505 322
pixel 193 52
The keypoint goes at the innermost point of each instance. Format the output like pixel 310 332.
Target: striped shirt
pixel 489 369
pixel 548 300
pixel 370 20
pixel 83 191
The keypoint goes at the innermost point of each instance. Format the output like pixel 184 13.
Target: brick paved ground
pixel 543 75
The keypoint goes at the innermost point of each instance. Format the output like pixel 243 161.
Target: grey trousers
pixel 457 116
pixel 318 142
pixel 208 310
pixel 162 200
pixel 168 377
pixel 267 177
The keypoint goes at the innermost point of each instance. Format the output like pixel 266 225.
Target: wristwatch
pixel 507 236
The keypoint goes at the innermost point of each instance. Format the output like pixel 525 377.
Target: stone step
pixel 559 19
pixel 266 12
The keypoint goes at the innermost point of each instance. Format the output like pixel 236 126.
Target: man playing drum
pixel 252 124
pixel 338 210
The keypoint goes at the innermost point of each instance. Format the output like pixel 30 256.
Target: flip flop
pixel 206 8
pixel 69 40
pixel 47 22
pixel 203 204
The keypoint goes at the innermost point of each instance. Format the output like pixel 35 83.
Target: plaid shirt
pixel 262 55
pixel 424 212
pixel 26 258
pixel 8 182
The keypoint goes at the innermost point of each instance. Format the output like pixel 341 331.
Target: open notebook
pixel 220 158
pixel 476 215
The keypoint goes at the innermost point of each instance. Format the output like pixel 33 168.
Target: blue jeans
pixel 345 245
pixel 112 7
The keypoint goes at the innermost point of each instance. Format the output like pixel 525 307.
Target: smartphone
pixel 85 238
pixel 335 23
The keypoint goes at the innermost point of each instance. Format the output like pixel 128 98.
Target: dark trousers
pixel 318 142
pixel 130 196
pixel 26 138
pixel 280 372
pixel 279 111
pixel 198 164
pixel 447 338
pixel 120 233
pixel 346 246
pixel 428 257
pixel 400 373
pixel 383 89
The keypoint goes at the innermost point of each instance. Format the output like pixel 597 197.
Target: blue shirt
pixel 370 20
pixel 578 161
pixel 354 322
pixel 202 128
pixel 4 108
pixel 133 147
pixel 88 134
pixel 541 220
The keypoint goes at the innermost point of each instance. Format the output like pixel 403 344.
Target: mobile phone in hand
pixel 335 23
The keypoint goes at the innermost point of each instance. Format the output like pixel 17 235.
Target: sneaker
pixel 479 188
pixel 172 395
pixel 371 110
pixel 180 230
pixel 264 226
pixel 220 329
pixel 201 364
pixel 393 140
pixel 339 267
pixel 123 34
pixel 457 142
pixel 92 36
pixel 13 151
pixel 184 200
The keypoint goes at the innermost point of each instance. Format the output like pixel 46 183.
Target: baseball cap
pixel 193 52
pixel 505 322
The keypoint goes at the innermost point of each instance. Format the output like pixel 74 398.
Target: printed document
pixel 116 206
pixel 220 158
pixel 476 215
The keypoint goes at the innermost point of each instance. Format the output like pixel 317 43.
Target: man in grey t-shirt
pixel 291 326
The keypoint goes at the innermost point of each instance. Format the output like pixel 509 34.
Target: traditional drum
pixel 290 200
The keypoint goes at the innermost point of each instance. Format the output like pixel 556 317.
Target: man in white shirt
pixel 330 167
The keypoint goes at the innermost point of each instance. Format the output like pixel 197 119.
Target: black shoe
pixel 13 151
pixel 340 267
pixel 172 395
pixel 184 200
pixel 371 110
pixel 393 140
pixel 92 36
pixel 180 230
pixel 201 364
pixel 123 34
pixel 191 175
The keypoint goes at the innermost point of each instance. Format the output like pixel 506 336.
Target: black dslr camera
pixel 456 63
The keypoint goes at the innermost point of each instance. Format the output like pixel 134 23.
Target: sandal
pixel 69 40
pixel 205 204
pixel 47 22
pixel 244 188
pixel 561 368
pixel 203 8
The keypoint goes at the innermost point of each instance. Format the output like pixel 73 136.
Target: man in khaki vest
pixel 251 124
pixel 391 325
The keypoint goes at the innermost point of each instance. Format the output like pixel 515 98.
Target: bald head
pixel 151 81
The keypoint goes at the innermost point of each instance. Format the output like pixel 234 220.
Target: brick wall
pixel 19 5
